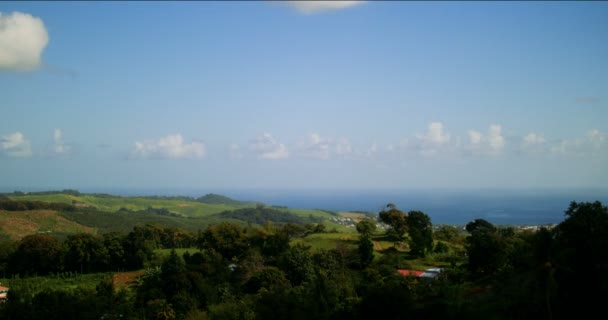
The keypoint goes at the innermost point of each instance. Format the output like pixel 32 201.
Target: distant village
pixel 351 223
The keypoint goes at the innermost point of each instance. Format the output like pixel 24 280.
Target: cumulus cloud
pixel 266 147
pixel 316 147
pixel 60 148
pixel 434 135
pixel 495 139
pixel 22 40
pixel 533 139
pixel 491 143
pixel 431 142
pixel 15 145
pixel 323 148
pixel 475 137
pixel 310 7
pixel 595 142
pixel 169 147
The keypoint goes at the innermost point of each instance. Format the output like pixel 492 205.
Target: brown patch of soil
pixel 126 279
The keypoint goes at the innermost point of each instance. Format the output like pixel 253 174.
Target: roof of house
pixel 413 273
pixel 3 288
pixel 428 273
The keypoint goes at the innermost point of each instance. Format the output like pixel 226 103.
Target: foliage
pixel 267 272
pixel 366 250
pixel 36 254
pixel 446 233
pixel 219 199
pixel 366 227
pixel 261 214
pixel 420 230
pixel 396 219
pixel 25 205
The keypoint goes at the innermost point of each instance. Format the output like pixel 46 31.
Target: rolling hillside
pixel 100 213
pixel 15 225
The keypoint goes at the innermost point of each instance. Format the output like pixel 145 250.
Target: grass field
pixel 18 224
pixel 112 204
pixel 356 217
pixel 327 240
pixel 55 282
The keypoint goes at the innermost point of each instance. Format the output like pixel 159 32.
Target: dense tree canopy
pixel 255 272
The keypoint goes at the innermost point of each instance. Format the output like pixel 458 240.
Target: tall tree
pixel 487 247
pixel 366 228
pixel 396 219
pixel 420 230
pixel 582 240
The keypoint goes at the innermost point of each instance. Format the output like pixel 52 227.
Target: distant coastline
pixel 444 206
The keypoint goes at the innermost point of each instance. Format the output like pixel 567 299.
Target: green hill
pixel 100 213
pixel 15 225
pixel 212 198
pixel 182 206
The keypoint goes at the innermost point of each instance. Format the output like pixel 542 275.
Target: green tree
pixel 366 251
pixel 113 242
pixel 487 247
pixel 85 253
pixel 420 230
pixel 582 249
pixel 396 219
pixel 297 264
pixel 226 238
pixel 446 233
pixel 37 254
pixel 366 227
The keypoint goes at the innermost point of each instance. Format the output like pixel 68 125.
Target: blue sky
pixel 304 95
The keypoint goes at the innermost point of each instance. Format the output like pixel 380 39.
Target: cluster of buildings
pixel 3 293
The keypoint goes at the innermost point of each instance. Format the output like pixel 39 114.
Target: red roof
pixel 412 273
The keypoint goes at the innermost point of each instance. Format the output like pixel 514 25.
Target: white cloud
pixel 322 148
pixel 435 134
pixel 15 145
pixel 593 143
pixel 495 138
pixel 169 147
pixel 475 137
pixel 533 139
pixel 266 147
pixel 310 7
pixel 431 142
pixel 22 40
pixel 316 147
pixel 492 143
pixel 60 148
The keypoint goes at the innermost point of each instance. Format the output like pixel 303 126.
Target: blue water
pixel 444 207
pixel 513 207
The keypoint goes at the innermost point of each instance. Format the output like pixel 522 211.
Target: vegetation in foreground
pixel 288 271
